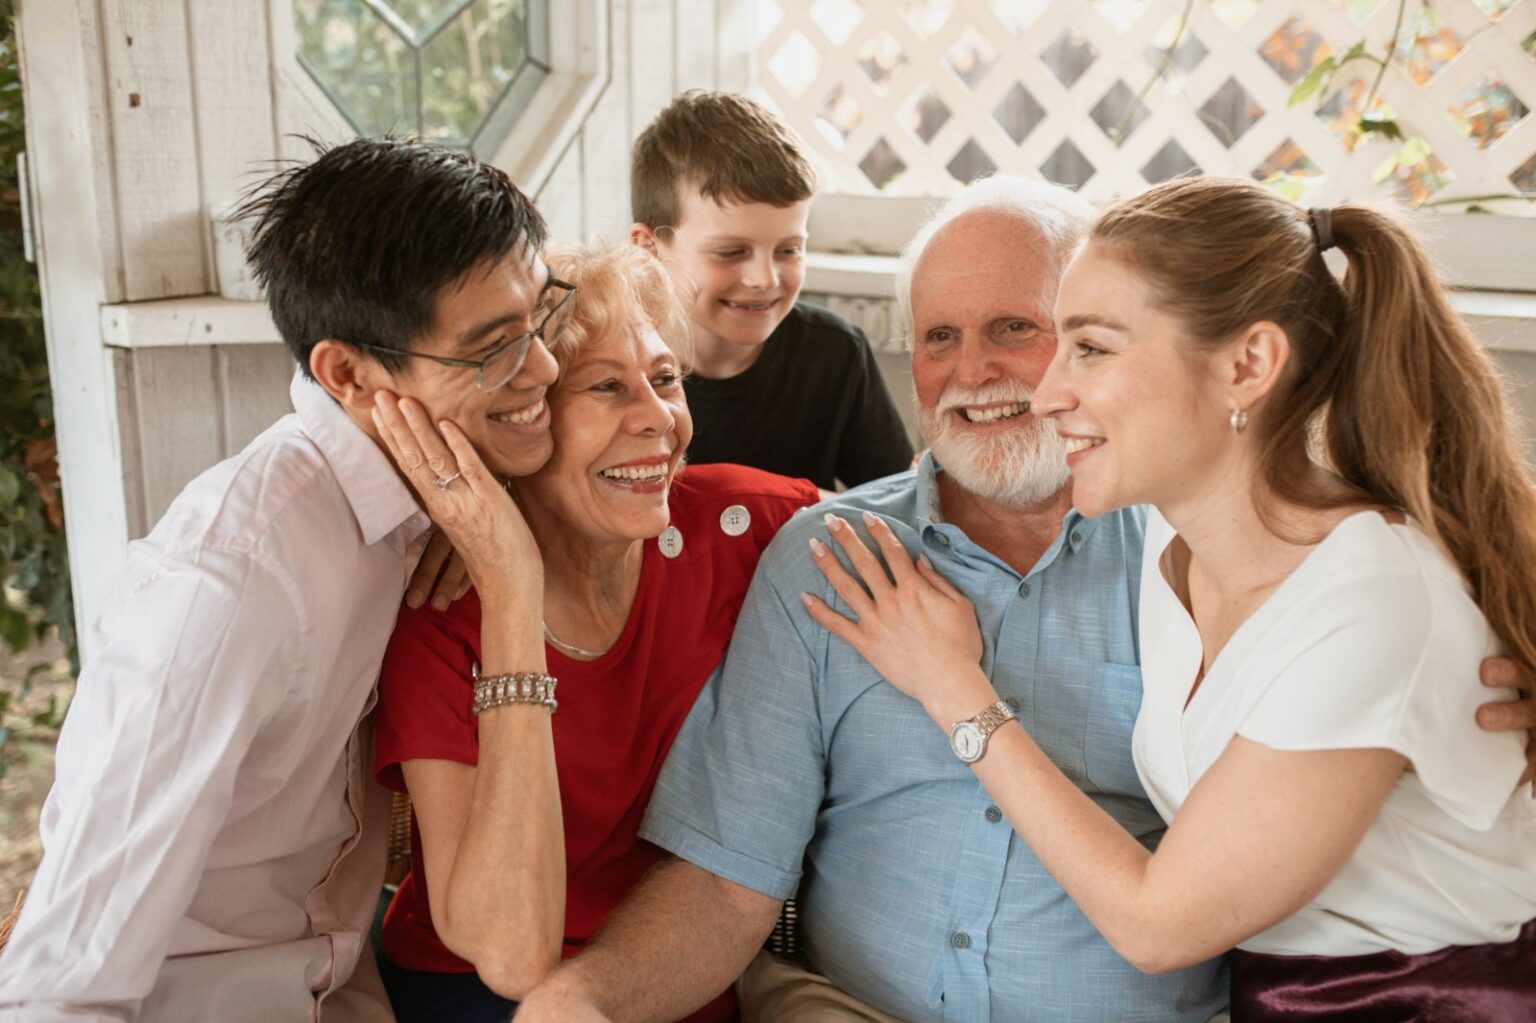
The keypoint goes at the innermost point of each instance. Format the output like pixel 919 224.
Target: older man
pixel 800 770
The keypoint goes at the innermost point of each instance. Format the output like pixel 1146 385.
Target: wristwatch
pixel 969 738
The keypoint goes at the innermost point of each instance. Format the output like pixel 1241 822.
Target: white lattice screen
pixel 915 96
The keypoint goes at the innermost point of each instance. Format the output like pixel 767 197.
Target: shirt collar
pixel 379 498
pixel 1076 528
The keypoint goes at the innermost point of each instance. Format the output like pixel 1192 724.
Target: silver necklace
pixel 570 649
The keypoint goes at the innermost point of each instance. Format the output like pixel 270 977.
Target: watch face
pixel 967 742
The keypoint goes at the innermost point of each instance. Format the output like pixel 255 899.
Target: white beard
pixel 1019 467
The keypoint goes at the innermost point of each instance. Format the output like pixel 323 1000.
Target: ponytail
pixel 1386 386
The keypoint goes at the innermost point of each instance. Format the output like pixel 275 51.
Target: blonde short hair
pixel 616 287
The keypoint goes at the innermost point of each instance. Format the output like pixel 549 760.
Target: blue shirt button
pixel 960 939
pixel 941 539
pixel 1077 536
pixel 1024 589
pixel 994 814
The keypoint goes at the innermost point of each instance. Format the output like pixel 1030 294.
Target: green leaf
pixel 1308 86
pixel 1376 124
pixel 10 487
pixel 1357 50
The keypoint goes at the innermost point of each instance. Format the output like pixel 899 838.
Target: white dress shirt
pixel 213 844
pixel 1371 643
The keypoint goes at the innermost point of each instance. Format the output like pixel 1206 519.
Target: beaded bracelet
pixel 519 687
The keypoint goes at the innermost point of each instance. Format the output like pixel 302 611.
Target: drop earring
pixel 1238 420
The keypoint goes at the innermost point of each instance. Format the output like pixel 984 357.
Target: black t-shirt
pixel 813 405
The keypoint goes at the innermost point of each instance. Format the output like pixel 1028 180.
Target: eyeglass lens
pixel 503 366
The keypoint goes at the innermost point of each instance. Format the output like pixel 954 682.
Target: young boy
pixel 720 191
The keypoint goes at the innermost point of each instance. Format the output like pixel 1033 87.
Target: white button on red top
pixel 735 520
pixel 670 541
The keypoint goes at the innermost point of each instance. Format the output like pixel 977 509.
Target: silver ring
pixel 443 481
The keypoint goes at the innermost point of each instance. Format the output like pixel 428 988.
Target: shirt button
pixel 1077 536
pixel 735 520
pixel 670 541
pixel 994 814
pixel 1024 589
pixel 941 539
pixel 960 939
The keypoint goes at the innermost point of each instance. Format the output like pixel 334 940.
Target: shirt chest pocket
pixel 1111 719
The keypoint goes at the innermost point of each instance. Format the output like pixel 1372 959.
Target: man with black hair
pixel 213 848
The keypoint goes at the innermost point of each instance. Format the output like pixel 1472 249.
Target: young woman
pixel 1343 529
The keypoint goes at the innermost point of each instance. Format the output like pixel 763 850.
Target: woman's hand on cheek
pixel 467 503
pixel 911 625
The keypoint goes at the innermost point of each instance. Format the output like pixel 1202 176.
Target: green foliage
pixel 34 565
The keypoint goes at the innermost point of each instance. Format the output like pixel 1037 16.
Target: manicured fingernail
pixel 440 603
pixel 871 519
pixel 818 549
pixel 922 559
pixel 413 598
pixel 805 598
pixel 833 522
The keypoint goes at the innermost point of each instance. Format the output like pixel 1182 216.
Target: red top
pixel 618 714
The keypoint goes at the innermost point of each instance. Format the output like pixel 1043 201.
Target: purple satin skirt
pixel 1460 984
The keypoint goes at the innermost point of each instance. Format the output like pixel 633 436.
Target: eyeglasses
pixel 502 362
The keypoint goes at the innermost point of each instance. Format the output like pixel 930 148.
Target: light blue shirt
pixel 801 769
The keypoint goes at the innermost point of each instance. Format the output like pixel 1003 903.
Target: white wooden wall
pixel 143 113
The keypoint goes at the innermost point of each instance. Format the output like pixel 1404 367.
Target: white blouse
pixel 1372 642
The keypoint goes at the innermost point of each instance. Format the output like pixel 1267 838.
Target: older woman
pixel 526 817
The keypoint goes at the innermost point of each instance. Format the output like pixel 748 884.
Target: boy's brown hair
pixel 725 146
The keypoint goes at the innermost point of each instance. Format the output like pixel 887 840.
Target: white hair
pixel 1061 216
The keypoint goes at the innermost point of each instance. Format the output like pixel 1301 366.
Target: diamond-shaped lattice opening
pixel 1067 166
pixel 1487 110
pixel 1426 45
pixel 837 18
pixel 1360 11
pixel 1293 49
pixel 926 16
pixel 1069 56
pixel 1017 16
pixel 839 115
pixel 1186 56
pixel 1289 171
pixel 881 165
pixel 1017 113
pixel 925 114
pixel 1168 163
pixel 1341 111
pixel 1234 13
pixel 1230 112
pixel 971 58
pixel 1121 14
pixel 368 69
pixel 970 163
pixel 467 67
pixel 1495 8
pixel 882 59
pixel 1414 173
pixel 1114 114
pixel 794 64
pixel 1523 177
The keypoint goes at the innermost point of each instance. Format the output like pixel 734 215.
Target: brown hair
pixel 722 145
pixel 1406 408
pixel 616 285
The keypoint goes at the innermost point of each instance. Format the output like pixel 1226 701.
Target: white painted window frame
pixel 579 69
